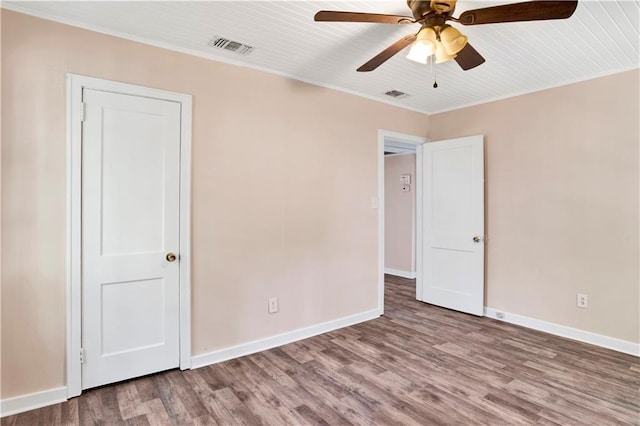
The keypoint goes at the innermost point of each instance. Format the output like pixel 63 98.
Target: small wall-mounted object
pixel 273 305
pixel 405 179
pixel 405 188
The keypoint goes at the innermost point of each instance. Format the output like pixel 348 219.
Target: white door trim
pixel 75 84
pixel 385 136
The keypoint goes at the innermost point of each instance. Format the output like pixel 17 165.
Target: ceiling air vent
pixel 396 94
pixel 233 46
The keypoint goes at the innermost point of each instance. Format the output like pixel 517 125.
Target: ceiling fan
pixel 440 39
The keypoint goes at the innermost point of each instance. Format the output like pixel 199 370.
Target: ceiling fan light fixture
pixel 441 53
pixel 420 51
pixel 452 39
pixel 424 46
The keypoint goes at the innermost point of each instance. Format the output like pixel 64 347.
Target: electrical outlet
pixel 582 300
pixel 500 315
pixel 273 305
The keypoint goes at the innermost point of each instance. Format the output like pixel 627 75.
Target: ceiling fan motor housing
pixel 420 8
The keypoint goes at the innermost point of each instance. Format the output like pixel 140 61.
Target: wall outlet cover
pixel 582 300
pixel 273 305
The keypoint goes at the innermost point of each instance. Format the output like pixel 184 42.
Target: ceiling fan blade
pixel 469 58
pixel 387 53
pixel 331 16
pixel 527 11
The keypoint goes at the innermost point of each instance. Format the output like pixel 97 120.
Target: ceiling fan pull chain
pixel 435 75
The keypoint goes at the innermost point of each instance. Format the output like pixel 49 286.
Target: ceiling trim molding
pixel 529 92
pixel 191 52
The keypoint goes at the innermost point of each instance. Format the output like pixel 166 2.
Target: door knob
pixel 477 239
pixel 171 257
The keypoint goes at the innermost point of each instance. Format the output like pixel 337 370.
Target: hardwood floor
pixel 418 364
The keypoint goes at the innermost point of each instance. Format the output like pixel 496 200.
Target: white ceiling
pixel 600 38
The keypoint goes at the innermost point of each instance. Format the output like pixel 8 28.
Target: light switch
pixel 405 188
pixel 405 179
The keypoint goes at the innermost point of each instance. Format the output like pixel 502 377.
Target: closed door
pixel 130 225
pixel 453 239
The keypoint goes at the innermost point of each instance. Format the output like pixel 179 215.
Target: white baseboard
pixel 400 273
pixel 564 331
pixel 225 354
pixel 22 403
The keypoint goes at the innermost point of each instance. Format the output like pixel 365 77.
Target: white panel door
pixel 130 222
pixel 453 227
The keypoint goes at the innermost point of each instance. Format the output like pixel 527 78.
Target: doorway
pixel 128 287
pixel 405 146
pixel 449 226
pixel 399 211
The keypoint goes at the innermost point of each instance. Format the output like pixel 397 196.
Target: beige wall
pixel 283 175
pixel 399 213
pixel 562 188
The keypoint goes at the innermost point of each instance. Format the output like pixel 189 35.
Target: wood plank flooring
pixel 418 364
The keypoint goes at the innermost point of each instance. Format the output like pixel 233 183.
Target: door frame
pixel 74 116
pixel 385 136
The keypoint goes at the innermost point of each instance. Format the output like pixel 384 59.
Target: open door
pixel 453 224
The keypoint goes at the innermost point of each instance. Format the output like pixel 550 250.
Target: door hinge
pixel 83 111
pixel 82 355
